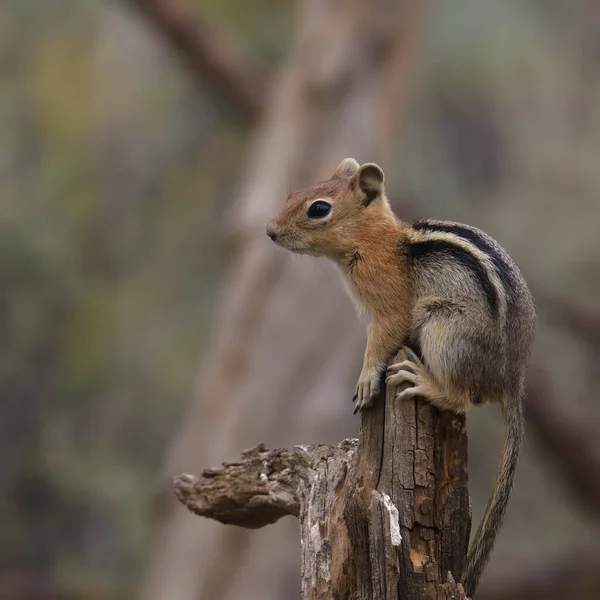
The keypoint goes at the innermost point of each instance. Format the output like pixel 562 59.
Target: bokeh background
pixel 149 327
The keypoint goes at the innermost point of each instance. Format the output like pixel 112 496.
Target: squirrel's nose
pixel 271 231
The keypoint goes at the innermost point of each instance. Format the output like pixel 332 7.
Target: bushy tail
pixel 479 551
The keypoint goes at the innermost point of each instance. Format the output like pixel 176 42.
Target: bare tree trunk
pixel 384 518
pixel 287 344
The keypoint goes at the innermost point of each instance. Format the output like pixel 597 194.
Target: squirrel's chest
pixel 376 290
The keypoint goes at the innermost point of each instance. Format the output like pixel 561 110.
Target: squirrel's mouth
pixel 293 244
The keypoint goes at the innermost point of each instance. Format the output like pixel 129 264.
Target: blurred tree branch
pixel 210 53
pixel 583 322
pixel 576 576
pixel 570 434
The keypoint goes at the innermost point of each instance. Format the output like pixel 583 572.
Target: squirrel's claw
pixel 367 389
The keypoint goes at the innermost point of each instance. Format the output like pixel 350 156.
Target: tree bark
pixel 287 344
pixel 383 518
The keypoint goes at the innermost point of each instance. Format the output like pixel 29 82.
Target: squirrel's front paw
pixel 367 389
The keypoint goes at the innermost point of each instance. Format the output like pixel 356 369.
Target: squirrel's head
pixel 330 218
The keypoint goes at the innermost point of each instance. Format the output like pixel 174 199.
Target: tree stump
pixel 383 517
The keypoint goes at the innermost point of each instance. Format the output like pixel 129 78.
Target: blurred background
pixel 149 327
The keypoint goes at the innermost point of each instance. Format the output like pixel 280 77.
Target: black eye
pixel 318 210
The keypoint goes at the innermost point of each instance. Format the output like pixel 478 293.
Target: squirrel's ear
pixel 347 168
pixel 368 182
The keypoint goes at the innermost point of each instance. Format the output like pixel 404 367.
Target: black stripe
pixel 502 268
pixel 463 257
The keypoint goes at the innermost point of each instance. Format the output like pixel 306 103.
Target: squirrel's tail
pixel 479 551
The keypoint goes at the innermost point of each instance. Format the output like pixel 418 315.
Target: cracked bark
pixel 386 516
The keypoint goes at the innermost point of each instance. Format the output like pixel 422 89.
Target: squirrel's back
pixel 474 273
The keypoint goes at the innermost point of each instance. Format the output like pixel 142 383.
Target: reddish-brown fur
pixel 362 238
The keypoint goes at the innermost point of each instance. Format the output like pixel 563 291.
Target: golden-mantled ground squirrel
pixel 445 292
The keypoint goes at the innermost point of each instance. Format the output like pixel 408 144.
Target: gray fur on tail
pixel 480 549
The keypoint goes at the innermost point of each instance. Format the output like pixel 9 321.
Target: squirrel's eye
pixel 318 210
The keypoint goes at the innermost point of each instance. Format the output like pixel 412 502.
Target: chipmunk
pixel 447 293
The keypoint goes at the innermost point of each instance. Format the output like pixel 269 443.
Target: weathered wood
pixel 254 491
pixel 414 457
pixel 385 517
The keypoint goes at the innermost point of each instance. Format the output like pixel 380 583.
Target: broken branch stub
pixel 252 492
pixel 384 517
